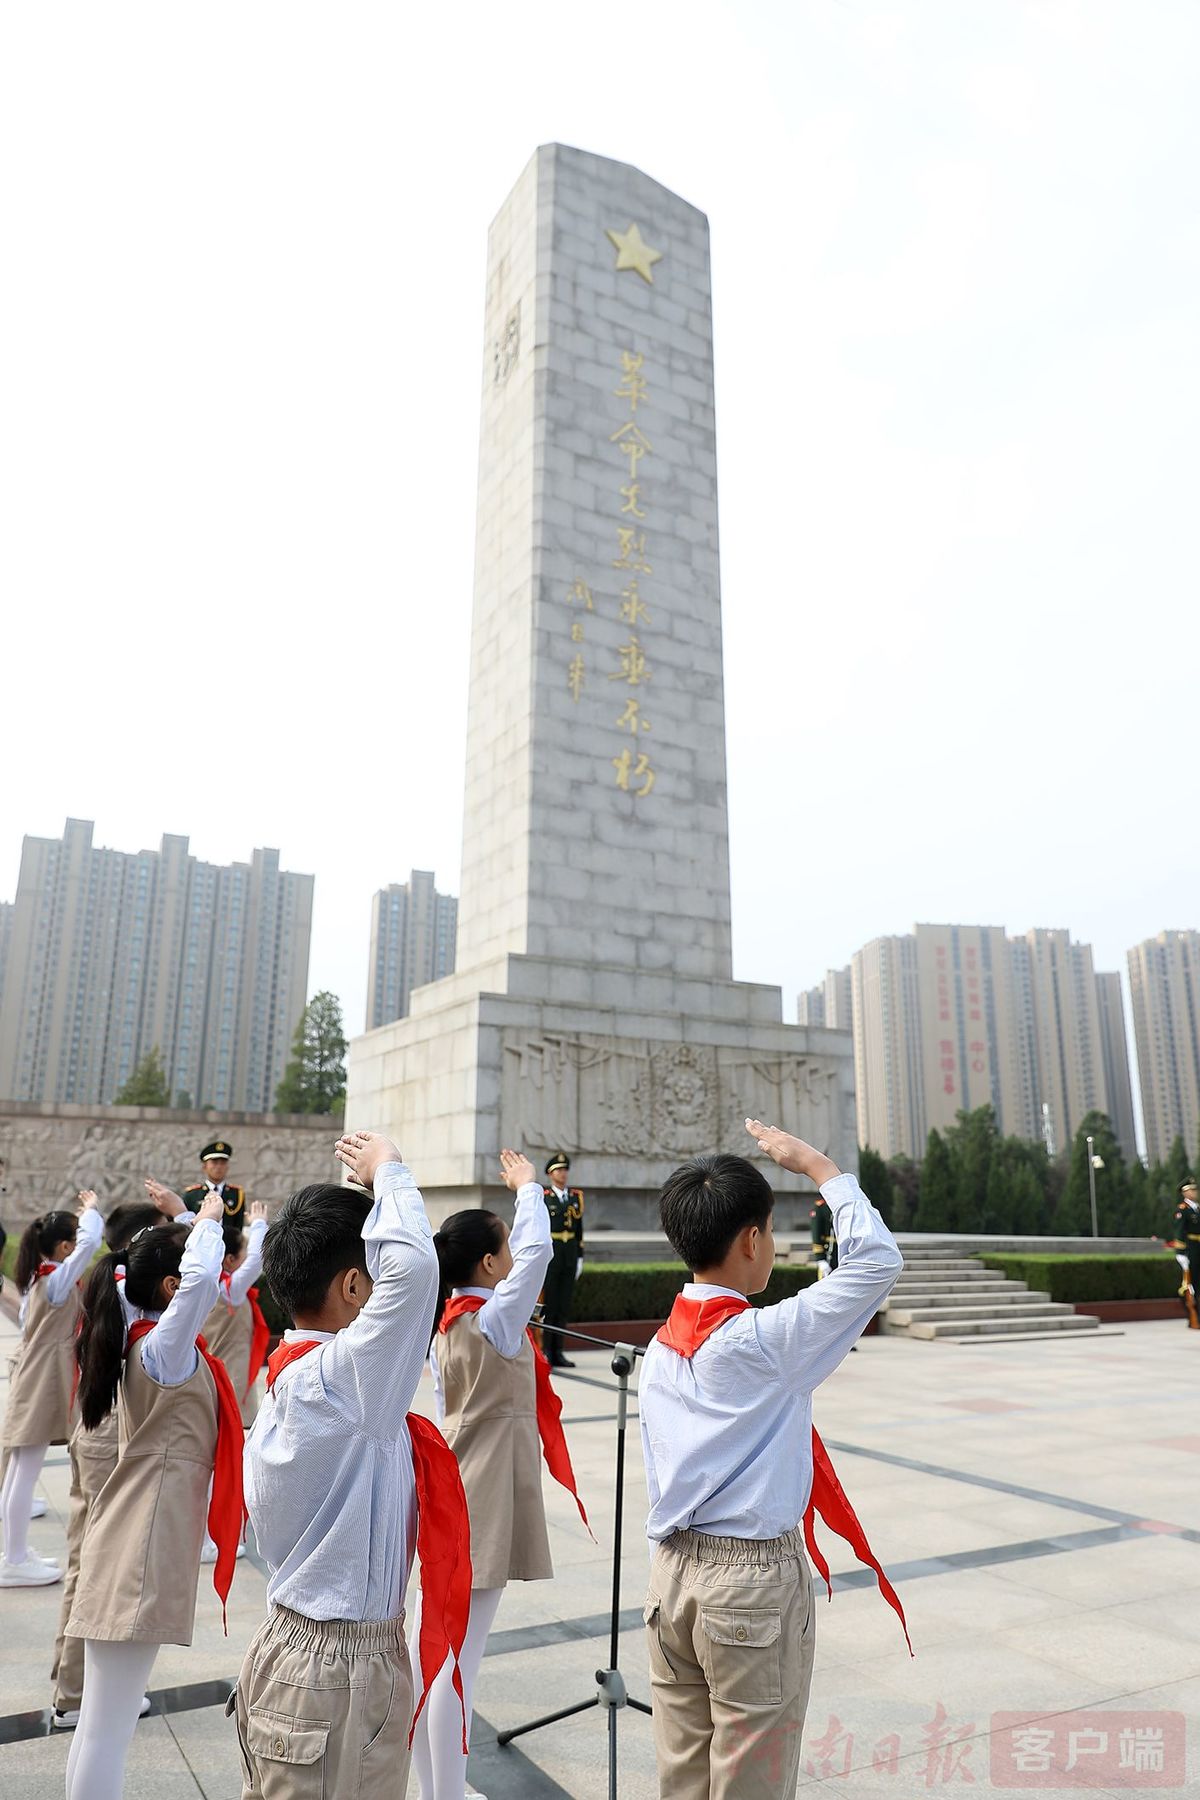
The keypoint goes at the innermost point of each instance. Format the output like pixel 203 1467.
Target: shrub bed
pixel 1075 1278
pixel 647 1290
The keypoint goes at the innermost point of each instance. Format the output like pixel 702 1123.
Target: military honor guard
pixel 1186 1244
pixel 214 1160
pixel 565 1206
pixel 824 1239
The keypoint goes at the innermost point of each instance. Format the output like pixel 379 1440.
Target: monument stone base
pixel 629 1072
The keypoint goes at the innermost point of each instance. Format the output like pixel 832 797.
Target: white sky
pixel 956 251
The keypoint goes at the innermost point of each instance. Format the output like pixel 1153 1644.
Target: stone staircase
pixel 942 1294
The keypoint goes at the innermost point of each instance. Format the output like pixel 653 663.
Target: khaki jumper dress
pixel 491 1426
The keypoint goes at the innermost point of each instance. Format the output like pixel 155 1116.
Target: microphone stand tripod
pixel 610 1683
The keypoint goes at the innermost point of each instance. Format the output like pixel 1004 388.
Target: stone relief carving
pixel 46 1161
pixel 635 1097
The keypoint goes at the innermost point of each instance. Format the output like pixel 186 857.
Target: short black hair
pixel 233 1235
pixel 127 1219
pixel 317 1236
pixel 707 1201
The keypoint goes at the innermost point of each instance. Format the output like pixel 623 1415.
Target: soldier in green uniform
pixel 565 1206
pixel 1186 1245
pixel 824 1243
pixel 214 1159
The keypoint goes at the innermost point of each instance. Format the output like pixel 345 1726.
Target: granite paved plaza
pixel 1038 1505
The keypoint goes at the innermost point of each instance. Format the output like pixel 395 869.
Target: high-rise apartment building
pixel 111 955
pixel 1114 1049
pixel 1164 983
pixel 953 1017
pixel 829 1003
pixel 888 1078
pixel 413 933
pixel 6 919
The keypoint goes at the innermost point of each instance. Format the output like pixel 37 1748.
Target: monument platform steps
pixel 1022 1325
pixel 901 1306
pixel 943 1295
pixel 1028 1306
pixel 938 1277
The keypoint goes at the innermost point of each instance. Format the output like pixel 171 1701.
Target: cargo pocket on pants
pixel 661 1666
pixel 288 1755
pixel 742 1655
pixel 232 1713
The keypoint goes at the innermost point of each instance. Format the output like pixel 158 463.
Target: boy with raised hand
pixel 725 1399
pixel 324 1700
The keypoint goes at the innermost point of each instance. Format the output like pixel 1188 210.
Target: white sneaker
pixel 38 1509
pixel 67 1721
pixel 33 1572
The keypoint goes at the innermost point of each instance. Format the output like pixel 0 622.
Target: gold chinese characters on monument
pixel 633 770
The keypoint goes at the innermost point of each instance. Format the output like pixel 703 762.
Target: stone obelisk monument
pixel 593 1008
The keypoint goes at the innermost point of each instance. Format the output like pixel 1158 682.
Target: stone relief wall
pixel 47 1154
pixel 635 1097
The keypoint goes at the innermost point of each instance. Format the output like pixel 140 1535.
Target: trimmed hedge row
pixel 647 1290
pixel 604 1290
pixel 1072 1278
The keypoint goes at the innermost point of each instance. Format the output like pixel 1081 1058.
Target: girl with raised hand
pixel 494 1401
pixel 53 1253
pixel 179 1426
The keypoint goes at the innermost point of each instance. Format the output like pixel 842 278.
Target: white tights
pixel 438 1760
pixel 16 1498
pixel 115 1678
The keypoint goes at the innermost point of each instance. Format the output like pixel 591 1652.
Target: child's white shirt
pixel 328 1465
pixel 250 1267
pixel 504 1315
pixel 727 1433
pixel 65 1274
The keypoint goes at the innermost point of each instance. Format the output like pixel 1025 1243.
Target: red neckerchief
pixel 443 1542
pixel 43 1268
pixel 226 1508
pixel 690 1324
pixel 549 1406
pixel 260 1332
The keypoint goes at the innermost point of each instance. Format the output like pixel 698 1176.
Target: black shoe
pixel 564 1362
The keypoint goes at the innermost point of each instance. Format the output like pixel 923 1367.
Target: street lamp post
pixel 1094 1162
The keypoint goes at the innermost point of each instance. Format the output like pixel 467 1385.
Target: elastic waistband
pixel 701 1547
pixel 335 1634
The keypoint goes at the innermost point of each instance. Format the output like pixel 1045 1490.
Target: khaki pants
pixel 89 1473
pixel 324 1708
pixel 731 1628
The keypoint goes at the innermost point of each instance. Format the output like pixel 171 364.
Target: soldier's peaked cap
pixel 558 1160
pixel 1189 1183
pixel 220 1148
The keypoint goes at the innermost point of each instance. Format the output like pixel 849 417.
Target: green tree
pixel 876 1183
pixel 937 1203
pixel 972 1142
pixel 1112 1184
pixel 183 1101
pixel 1026 1202
pixel 905 1177
pixel 315 1078
pixel 1176 1169
pixel 148 1085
